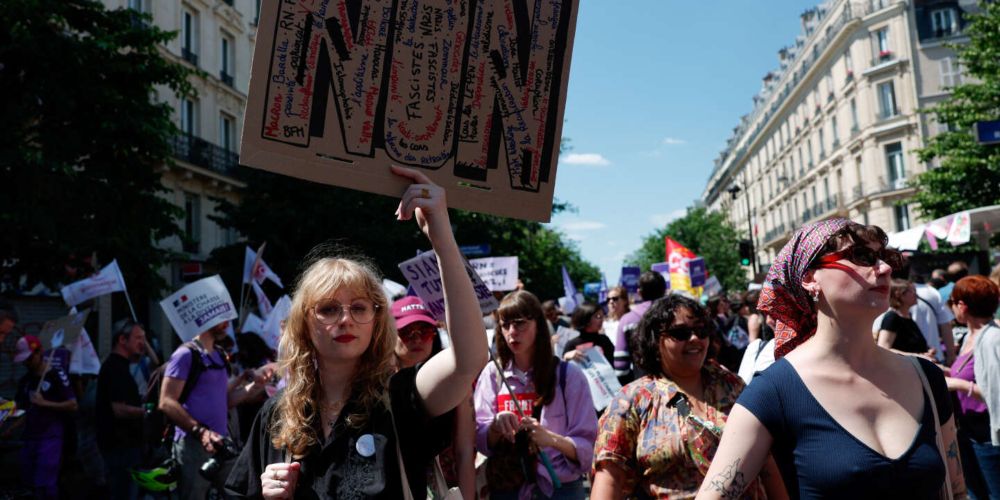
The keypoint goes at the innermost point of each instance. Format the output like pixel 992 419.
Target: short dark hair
pixel 646 340
pixel 652 285
pixel 7 311
pixel 122 328
pixel 582 315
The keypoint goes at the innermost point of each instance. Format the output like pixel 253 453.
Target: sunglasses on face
pixel 421 333
pixel 682 333
pixel 615 299
pixel 865 256
pixel 518 324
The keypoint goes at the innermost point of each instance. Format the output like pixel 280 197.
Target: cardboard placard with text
pixel 499 273
pixel 424 275
pixel 470 92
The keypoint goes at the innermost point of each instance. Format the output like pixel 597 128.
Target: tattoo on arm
pixel 730 483
pixel 953 450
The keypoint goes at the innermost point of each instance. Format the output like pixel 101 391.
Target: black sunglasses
pixel 866 256
pixel 682 333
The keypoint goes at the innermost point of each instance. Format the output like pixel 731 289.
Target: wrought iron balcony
pixel 226 78
pixel 189 56
pixel 202 153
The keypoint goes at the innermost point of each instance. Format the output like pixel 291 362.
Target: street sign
pixel 475 250
pixel 987 132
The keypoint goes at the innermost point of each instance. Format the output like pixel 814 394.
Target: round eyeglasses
pixel 361 311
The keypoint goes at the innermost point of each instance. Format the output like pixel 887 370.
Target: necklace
pixel 331 410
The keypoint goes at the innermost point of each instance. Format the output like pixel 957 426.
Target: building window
pixel 809 149
pixel 826 192
pixel 882 51
pixel 943 22
pixel 902 217
pixel 854 116
pixel 833 132
pixel 137 5
pixel 951 73
pixel 802 164
pixel 189 36
pixel 226 68
pixel 848 65
pixel 189 116
pixel 894 165
pixel 227 132
pixel 192 222
pixel 887 100
pixel 822 142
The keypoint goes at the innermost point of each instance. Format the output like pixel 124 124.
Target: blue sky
pixel 655 89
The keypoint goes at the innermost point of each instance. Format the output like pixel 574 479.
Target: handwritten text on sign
pixel 499 273
pixel 462 86
pixel 424 276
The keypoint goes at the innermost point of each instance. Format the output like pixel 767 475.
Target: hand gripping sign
pixel 470 91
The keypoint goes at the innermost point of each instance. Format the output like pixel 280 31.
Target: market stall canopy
pixel 957 229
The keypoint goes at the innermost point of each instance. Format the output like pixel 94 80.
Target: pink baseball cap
pixel 409 310
pixel 25 347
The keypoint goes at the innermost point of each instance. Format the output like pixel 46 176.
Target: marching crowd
pixel 839 378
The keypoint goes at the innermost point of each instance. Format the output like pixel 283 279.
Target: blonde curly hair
pixel 293 426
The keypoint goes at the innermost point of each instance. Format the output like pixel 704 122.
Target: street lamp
pixel 734 191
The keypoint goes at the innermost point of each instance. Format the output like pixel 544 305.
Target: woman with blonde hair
pixel 348 425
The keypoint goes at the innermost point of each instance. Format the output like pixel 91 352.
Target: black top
pixel 115 384
pixel 819 459
pixel 599 340
pixel 908 336
pixel 336 468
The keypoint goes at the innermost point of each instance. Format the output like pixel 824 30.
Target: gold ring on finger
pixel 425 193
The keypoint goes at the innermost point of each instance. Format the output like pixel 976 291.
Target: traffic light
pixel 746 252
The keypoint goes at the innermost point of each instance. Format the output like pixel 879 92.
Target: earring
pixel 815 295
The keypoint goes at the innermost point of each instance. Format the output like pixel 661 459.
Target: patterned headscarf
pixel 783 297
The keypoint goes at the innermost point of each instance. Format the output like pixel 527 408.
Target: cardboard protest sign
pixel 425 277
pixel 198 307
pixel 600 377
pixel 499 273
pixel 63 331
pixel 471 92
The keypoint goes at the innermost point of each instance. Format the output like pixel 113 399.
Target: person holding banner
pixel 348 424
pixel 843 417
pixel 46 396
pixel 557 414
pixel 658 436
pixel 588 320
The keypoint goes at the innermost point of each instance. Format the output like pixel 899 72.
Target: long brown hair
pixel 293 426
pixel 524 304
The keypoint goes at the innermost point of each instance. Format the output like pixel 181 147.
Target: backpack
pixel 157 429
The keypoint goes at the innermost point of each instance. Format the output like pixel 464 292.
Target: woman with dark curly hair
pixel 588 319
pixel 842 417
pixel 659 434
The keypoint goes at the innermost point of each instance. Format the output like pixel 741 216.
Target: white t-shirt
pixel 756 358
pixel 929 312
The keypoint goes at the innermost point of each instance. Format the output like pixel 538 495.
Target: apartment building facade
pixel 834 129
pixel 217 38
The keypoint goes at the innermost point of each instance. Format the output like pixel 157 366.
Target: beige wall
pixel 856 167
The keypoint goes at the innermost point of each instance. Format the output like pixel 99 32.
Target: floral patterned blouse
pixel 664 453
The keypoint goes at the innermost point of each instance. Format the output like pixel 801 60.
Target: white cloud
pixel 660 220
pixel 673 141
pixel 589 159
pixel 584 225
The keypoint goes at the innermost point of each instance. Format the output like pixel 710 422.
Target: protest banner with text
pixel 198 307
pixel 424 276
pixel 471 92
pixel 499 273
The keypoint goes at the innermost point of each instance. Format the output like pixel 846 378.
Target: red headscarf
pixel 783 297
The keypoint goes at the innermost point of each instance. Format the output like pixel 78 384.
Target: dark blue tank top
pixel 819 459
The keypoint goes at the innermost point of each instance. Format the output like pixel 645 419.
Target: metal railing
pixel 189 56
pixel 226 78
pixel 199 152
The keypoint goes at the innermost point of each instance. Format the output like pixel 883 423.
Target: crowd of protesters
pixel 840 377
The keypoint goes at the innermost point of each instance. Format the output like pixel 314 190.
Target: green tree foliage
pixel 969 173
pixel 293 216
pixel 81 141
pixel 708 234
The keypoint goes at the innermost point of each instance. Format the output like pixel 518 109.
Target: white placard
pixel 424 276
pixel 271 330
pixel 499 273
pixel 600 376
pixel 198 307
